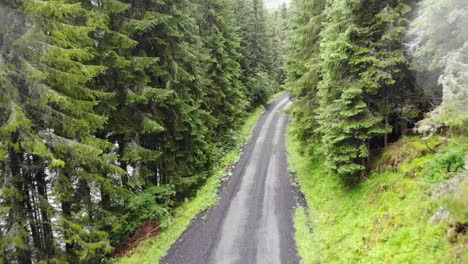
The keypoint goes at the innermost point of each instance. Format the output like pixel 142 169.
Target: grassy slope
pixel 153 250
pixel 387 218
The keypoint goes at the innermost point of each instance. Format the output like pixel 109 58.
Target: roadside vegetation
pixel 378 138
pixel 410 209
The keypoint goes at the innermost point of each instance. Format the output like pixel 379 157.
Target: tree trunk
pixel 386 134
pixel 32 219
pixel 66 205
pixel 122 145
pixel 17 212
pixel 48 250
pixel 386 122
pixel 105 199
pixel 69 244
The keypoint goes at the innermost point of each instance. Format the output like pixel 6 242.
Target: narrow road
pixel 252 221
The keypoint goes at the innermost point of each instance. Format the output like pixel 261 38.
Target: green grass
pixel 386 219
pixel 152 250
pixel 303 235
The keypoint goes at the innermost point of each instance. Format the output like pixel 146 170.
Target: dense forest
pixel 367 72
pixel 378 138
pixel 112 112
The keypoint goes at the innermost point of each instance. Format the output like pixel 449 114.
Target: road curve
pixel 252 221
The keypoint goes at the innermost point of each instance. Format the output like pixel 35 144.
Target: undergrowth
pixel 411 209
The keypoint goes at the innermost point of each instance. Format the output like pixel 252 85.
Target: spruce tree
pixel 303 66
pixel 256 50
pixel 280 31
pixel 54 134
pixel 363 70
pixel 225 97
pixel 167 32
pixel 15 131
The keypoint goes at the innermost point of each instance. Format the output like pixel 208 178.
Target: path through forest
pixel 252 221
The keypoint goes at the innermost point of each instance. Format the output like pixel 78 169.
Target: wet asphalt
pixel 253 219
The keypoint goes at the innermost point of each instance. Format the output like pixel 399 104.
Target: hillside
pixel 412 208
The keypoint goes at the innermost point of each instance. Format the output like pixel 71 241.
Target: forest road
pixel 253 219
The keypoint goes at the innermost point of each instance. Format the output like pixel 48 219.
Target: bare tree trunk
pixel 386 134
pixel 69 244
pixel 32 219
pixel 67 235
pixel 122 145
pixel 386 122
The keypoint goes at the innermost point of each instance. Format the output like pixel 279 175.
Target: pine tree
pixel 256 50
pixel 66 29
pixel 15 131
pixel 245 22
pixel 347 67
pixel 52 121
pixel 225 96
pixel 303 66
pixel 168 32
pixel 280 28
pixel 358 76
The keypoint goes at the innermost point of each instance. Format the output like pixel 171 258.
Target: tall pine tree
pixel 225 98
pixel 256 50
pixel 347 67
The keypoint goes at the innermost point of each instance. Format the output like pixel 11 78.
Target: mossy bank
pixel 410 209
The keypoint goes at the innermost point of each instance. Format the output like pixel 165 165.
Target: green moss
pixel 385 219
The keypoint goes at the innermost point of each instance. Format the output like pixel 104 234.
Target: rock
pixel 442 215
pixel 450 186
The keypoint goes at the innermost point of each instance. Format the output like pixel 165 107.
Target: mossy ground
pixel 388 217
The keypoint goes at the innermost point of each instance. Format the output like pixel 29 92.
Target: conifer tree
pixel 16 128
pixel 346 122
pixel 245 22
pixel 166 31
pixel 225 97
pixel 256 50
pixel 347 67
pixel 280 28
pixel 303 65
pixel 54 102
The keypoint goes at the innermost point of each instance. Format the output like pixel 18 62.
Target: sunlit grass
pixel 386 219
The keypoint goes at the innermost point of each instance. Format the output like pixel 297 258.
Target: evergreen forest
pixel 116 112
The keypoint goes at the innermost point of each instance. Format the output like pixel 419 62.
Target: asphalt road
pixel 252 221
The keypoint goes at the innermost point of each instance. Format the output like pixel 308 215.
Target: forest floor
pixel 412 208
pixel 252 217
